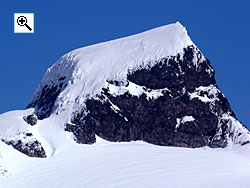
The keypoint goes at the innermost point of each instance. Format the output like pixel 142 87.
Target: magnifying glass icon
pixel 22 21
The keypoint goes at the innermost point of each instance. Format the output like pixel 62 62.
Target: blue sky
pixel 219 28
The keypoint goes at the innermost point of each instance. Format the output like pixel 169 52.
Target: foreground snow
pixel 134 164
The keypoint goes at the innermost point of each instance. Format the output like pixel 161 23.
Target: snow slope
pixel 9 122
pixel 134 165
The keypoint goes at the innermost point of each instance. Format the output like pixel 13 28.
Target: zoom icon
pixel 24 23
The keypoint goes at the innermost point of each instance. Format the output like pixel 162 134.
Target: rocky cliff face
pixel 179 105
pixel 170 101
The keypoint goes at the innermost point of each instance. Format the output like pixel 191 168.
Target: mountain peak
pixel 155 86
pixel 93 65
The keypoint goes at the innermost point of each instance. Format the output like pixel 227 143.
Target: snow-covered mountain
pixel 155 88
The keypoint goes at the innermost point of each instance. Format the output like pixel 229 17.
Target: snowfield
pixel 123 165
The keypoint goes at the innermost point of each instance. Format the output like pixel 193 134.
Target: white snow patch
pixel 136 90
pixel 183 120
pixel 198 58
pixel 12 124
pixel 238 132
pixel 209 96
pixel 156 93
pixel 187 119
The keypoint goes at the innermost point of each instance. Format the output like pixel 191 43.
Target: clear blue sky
pixel 221 30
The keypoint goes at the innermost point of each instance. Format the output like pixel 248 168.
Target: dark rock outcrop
pixel 27 145
pixel 46 101
pixel 155 120
pixel 84 133
pixel 31 119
